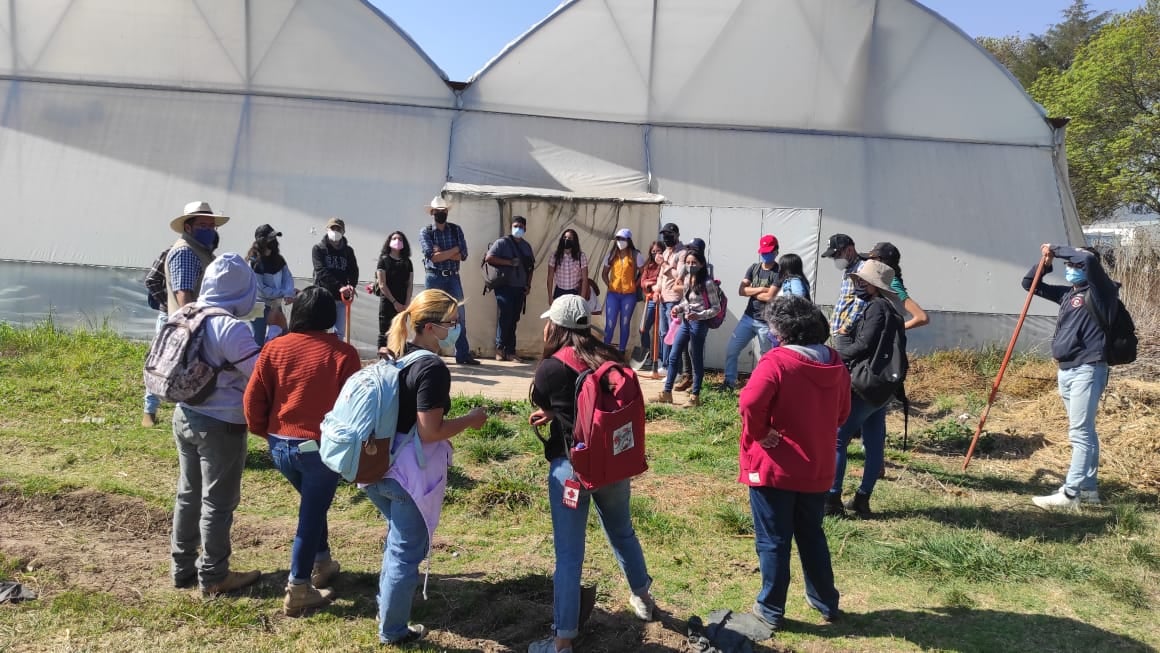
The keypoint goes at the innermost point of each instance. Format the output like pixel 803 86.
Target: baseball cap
pixel 336 223
pixel 266 231
pixel 569 311
pixel 885 252
pixel 671 228
pixel 837 243
pixel 768 244
pixel 624 233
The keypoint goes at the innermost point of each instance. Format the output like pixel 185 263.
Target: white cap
pixel 570 312
pixel 624 233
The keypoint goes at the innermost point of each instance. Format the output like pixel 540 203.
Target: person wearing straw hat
pixel 880 321
pixel 192 253
pixel 336 269
pixel 444 248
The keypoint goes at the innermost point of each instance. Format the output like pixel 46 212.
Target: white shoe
pixel 662 371
pixel 642 606
pixel 1089 497
pixel 1057 501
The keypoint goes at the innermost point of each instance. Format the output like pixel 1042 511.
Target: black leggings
pixel 387 313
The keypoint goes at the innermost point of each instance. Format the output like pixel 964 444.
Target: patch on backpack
pixel 622 439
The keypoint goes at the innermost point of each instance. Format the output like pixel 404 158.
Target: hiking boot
pixel 547 645
pixel 642 606
pixel 323 573
pixel 235 580
pixel 470 360
pixel 512 358
pixel 1089 497
pixel 415 632
pixel 1057 501
pixel 663 398
pixel 304 597
pixel 500 356
pixel 727 387
pixel 185 582
pixel 149 420
pixel 860 505
pixel 694 400
pixel 834 507
pixel 684 383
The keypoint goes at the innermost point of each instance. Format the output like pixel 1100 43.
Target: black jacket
pixel 879 315
pixel 1078 339
pixel 334 267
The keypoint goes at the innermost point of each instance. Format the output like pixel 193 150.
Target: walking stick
pixel 656 339
pixel 1006 359
pixel 347 302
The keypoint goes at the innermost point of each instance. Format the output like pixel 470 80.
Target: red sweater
pixel 803 400
pixel 295 383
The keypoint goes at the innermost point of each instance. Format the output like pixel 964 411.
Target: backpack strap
pixel 567 356
pixel 402 364
pixel 1104 326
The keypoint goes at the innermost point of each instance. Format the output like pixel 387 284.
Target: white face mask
pixel 841 263
pixel 518 232
pixel 396 244
pixel 622 244
pixel 334 235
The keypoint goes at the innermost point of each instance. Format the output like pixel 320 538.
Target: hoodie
pixel 334 267
pixel 229 283
pixel 804 395
pixel 1079 339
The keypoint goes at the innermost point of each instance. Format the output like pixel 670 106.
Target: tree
pixel 1028 57
pixel 1112 94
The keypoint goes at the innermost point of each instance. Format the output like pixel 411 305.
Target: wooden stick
pixel 347 302
pixel 1006 359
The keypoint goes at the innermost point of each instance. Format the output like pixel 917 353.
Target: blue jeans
pixel 406 548
pixel 454 287
pixel 211 454
pixel 871 420
pixel 646 327
pixel 778 517
pixel 509 300
pixel 1081 388
pixel 316 484
pixel 666 320
pixel 618 309
pixel 747 329
pixel 153 402
pixel 258 324
pixel 692 337
pixel 340 320
pixel 569 527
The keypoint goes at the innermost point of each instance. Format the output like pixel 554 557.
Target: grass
pixel 954 562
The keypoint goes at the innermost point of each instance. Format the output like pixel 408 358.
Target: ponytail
pixel 426 307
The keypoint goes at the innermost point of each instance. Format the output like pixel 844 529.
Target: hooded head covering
pixel 229 283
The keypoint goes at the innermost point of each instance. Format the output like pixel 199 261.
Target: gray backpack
pixel 174 367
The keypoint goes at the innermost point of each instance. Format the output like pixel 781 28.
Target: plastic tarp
pixel 875 67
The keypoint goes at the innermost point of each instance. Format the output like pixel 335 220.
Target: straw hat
pixel 194 209
pixel 437 204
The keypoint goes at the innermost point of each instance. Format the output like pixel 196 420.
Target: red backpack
pixel 608 434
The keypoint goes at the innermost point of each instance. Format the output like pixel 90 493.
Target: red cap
pixel 768 244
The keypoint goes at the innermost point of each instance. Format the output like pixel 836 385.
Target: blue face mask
pixel 1075 276
pixel 448 341
pixel 769 258
pixel 206 236
pixel 518 232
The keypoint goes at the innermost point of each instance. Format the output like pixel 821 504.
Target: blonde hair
pixel 427 307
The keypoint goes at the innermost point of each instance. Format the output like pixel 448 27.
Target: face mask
pixel 440 217
pixel 769 258
pixel 206 236
pixel 841 263
pixel 622 244
pixel 396 244
pixel 448 341
pixel 862 293
pixel 669 240
pixel 334 235
pixel 692 269
pixel 1075 276
pixel 518 232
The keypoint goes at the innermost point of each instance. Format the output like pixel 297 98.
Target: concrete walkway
pixel 511 381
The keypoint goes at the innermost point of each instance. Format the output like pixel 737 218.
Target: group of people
pixel 279 378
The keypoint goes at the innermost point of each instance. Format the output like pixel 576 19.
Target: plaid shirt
pixel 184 268
pixel 848 308
pixel 451 236
pixel 568 273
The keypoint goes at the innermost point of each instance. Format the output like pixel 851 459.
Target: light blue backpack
pixel 358 434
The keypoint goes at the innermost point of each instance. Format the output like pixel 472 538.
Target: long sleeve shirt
pixel 334 267
pixel 444 239
pixel 1078 339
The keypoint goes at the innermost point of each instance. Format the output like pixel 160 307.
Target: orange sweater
pixel 295 382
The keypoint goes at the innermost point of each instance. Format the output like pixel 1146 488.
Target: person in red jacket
pixel 797 397
pixel 295 382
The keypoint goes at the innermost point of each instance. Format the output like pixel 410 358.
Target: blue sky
pixel 462 35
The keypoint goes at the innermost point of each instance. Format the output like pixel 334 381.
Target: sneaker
pixel 663 371
pixel 727 387
pixel 149 420
pixel 663 398
pixel 1089 497
pixel 829 616
pixel 303 598
pixel 415 632
pixel 756 611
pixel 471 360
pixel 694 401
pixel 547 645
pixel 185 582
pixel 500 356
pixel 323 573
pixel 1057 501
pixel 642 606
pixel 235 580
pixel 684 383
pixel 512 358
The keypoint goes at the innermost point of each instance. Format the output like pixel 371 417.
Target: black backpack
pixel 1120 334
pixel 880 377
pixel 155 292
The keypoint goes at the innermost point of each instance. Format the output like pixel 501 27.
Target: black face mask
pixel 669 240
pixel 863 293
pixel 567 242
pixel 440 217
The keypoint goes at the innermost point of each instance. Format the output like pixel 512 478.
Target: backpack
pixel 1120 334
pixel 358 433
pixel 608 434
pixel 174 367
pixel 495 276
pixel 719 319
pixel 156 293
pixel 880 377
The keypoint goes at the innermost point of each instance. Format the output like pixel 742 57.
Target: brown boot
pixel 694 400
pixel 235 580
pixel 684 383
pixel 302 598
pixel 149 420
pixel 663 398
pixel 324 572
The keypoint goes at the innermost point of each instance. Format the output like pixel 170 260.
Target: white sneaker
pixel 662 371
pixel 1057 501
pixel 1089 497
pixel 642 606
pixel 547 645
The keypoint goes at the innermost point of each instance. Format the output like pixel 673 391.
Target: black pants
pixel 509 301
pixel 387 313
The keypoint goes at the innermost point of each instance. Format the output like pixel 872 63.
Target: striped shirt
pixel 848 308
pixel 569 273
pixel 431 238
